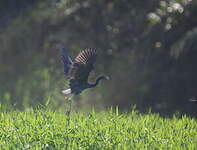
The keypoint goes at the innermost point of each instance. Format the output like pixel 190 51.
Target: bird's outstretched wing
pixel 82 65
pixel 66 60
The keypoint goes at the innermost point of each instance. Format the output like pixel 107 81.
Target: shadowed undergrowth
pixel 44 129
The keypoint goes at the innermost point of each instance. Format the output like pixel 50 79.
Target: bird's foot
pixel 66 98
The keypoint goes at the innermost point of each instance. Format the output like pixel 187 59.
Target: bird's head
pixel 104 77
pixel 99 79
pixel 107 78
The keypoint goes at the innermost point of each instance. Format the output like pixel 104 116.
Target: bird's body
pixel 77 71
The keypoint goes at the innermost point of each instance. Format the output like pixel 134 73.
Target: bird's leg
pixel 70 102
pixel 69 106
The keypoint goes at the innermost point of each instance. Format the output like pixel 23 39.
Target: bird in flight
pixel 78 71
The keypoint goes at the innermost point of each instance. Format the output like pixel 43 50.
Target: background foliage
pixel 148 48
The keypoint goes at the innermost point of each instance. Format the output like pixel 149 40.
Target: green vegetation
pixel 44 129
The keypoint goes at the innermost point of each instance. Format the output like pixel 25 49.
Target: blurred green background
pixel 148 48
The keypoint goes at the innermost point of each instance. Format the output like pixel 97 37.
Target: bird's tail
pixel 66 92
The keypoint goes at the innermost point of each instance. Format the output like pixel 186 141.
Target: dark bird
pixel 77 71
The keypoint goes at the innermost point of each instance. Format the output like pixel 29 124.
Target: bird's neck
pixel 97 81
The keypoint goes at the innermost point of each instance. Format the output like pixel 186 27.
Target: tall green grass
pixel 44 129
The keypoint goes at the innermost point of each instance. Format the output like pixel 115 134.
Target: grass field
pixel 44 129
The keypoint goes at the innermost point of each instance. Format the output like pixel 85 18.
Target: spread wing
pixel 82 66
pixel 66 60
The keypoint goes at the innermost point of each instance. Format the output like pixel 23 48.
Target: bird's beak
pixel 107 78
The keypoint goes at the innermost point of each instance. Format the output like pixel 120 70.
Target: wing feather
pixel 83 65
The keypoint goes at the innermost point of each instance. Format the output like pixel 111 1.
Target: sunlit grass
pixel 44 129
